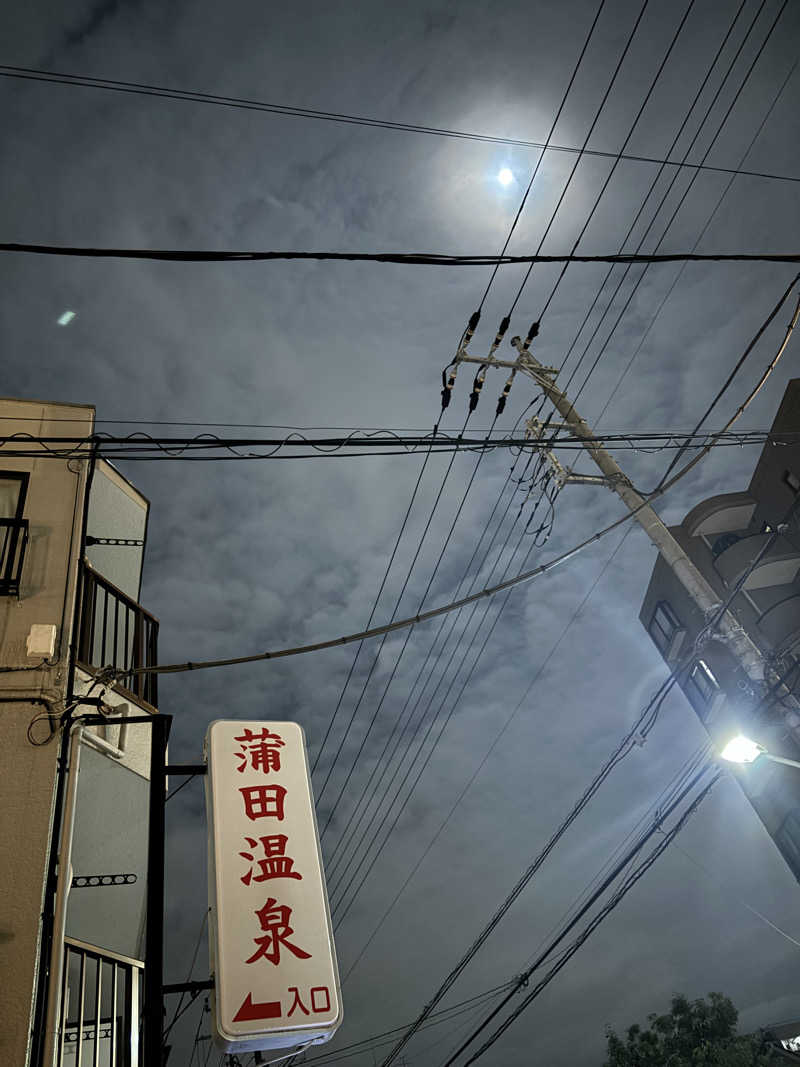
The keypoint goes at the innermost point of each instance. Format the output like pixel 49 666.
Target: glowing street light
pixel 742 750
pixel 505 177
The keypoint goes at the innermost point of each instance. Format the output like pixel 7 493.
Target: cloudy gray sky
pixel 248 556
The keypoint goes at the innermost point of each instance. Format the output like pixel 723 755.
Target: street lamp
pixel 741 749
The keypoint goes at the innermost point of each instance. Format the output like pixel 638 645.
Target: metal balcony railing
pixel 101 999
pixel 13 542
pixel 115 631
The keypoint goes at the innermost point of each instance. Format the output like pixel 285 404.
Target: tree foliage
pixel 700 1033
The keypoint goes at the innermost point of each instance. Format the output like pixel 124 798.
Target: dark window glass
pixel 664 626
pixel 701 687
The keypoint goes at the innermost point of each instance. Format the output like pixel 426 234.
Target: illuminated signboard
pixel 276 983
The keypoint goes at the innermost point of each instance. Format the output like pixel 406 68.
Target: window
pixel 701 688
pixel 13 530
pixel 788 840
pixel 13 490
pixel 666 630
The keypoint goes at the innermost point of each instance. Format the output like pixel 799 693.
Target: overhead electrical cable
pixel 400 725
pixel 484 759
pixel 526 576
pixel 578 159
pixel 686 191
pixel 213 449
pixel 623 747
pixel 559 110
pixel 377 709
pixel 615 164
pixel 709 220
pixel 398 539
pixel 738 366
pixel 616 898
pixel 354 762
pixel 424 259
pixel 386 1036
pixel 379 705
pixel 445 399
pixel 667 795
pixel 657 177
pixel 404 724
pixel 194 96
pixel 638 732
pixel 394 807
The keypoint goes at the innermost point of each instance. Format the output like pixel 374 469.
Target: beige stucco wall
pixel 27 773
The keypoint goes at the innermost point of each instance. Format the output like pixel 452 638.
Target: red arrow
pixel 270 1009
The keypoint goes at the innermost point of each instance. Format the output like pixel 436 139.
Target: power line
pixel 393 808
pixel 642 727
pixel 146 446
pixel 374 664
pixel 426 259
pixel 644 722
pixel 527 576
pixel 655 180
pixel 573 618
pixel 398 539
pixel 702 233
pixel 615 164
pixel 570 83
pixel 720 393
pixel 616 898
pixel 445 401
pixel 589 133
pixel 488 591
pixel 409 632
pixel 686 191
pixel 376 1040
pixel 399 719
pixel 195 96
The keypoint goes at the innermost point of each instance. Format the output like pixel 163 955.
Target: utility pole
pixel 613 477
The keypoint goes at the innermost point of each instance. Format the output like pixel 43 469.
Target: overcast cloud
pixel 243 557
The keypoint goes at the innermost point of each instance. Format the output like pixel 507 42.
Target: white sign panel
pixel 272 954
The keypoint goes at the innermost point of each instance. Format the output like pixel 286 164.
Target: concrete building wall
pixel 53 507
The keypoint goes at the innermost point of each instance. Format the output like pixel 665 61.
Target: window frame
pixel 13 536
pixel 23 477
pixel 667 643
pixel 702 703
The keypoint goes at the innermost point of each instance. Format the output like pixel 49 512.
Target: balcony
pixel 781 623
pixel 115 631
pixel 100 1008
pixel 13 542
pixel 778 567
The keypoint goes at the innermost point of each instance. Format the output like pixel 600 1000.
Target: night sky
pixel 247 556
